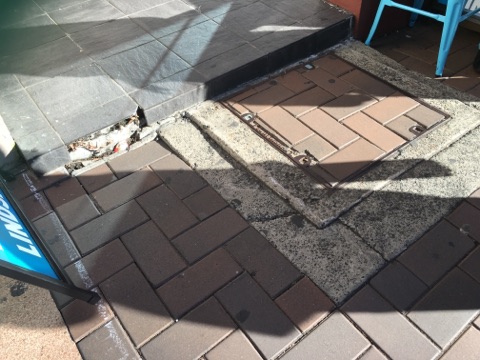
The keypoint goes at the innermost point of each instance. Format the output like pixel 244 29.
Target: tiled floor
pixel 417 49
pixel 183 276
pixel 78 66
pixel 332 119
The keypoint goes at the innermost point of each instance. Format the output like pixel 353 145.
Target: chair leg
pixel 417 4
pixel 376 21
pixel 452 17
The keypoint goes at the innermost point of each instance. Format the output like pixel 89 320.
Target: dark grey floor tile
pixel 168 88
pixel 94 119
pixel 16 11
pixel 254 21
pixel 50 160
pixel 111 38
pixel 398 285
pixel 8 81
pixel 51 5
pixel 59 242
pixel 448 309
pixel 85 15
pixel 336 338
pixel 71 94
pixel 298 9
pixel 324 18
pixel 228 61
pixel 258 316
pixel 178 103
pixel 21 115
pixel 39 142
pixel 28 34
pixel 202 42
pixel 130 7
pixel 173 16
pixel 139 67
pixel 47 61
pixel 279 39
pixel 108 343
pixel 215 8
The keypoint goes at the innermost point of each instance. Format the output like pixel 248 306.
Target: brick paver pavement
pixel 183 276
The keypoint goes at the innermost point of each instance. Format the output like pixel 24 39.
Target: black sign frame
pixel 64 285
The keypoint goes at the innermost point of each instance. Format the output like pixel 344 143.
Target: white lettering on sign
pixel 15 229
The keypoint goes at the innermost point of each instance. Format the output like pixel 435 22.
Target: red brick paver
pixel 234 294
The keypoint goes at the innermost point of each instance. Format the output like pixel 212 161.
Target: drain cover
pixel 332 119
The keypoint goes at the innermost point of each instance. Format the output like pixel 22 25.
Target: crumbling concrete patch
pixel 249 197
pixel 393 218
pixel 336 259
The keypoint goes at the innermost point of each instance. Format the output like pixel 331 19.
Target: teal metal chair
pixel 454 14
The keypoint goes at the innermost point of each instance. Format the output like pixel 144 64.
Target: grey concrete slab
pixel 111 38
pixel 254 21
pixel 28 34
pixel 141 66
pixel 201 42
pixel 85 15
pixel 173 16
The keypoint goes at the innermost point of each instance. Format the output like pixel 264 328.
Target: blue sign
pixel 17 246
